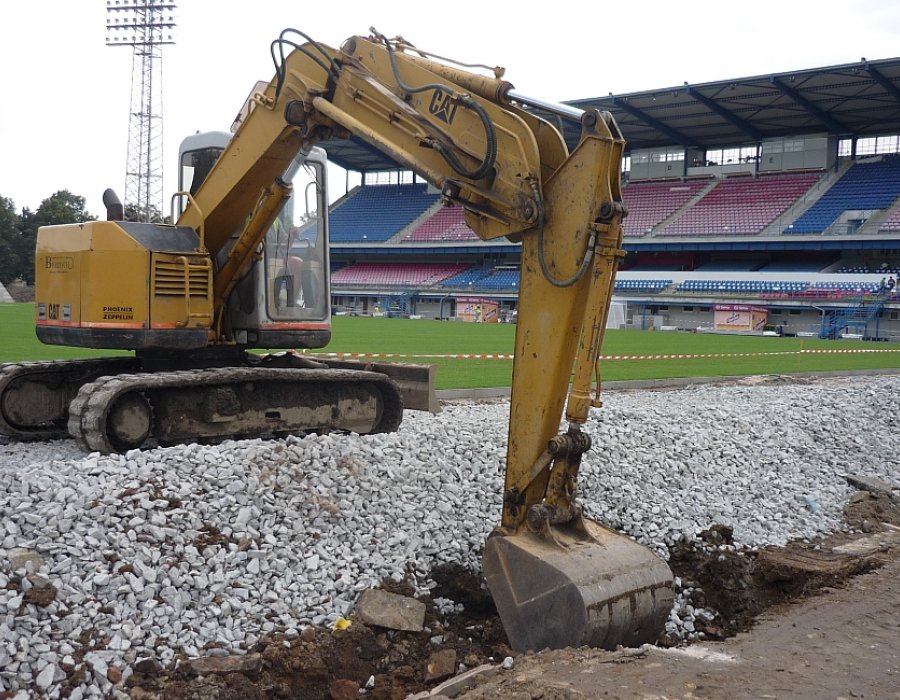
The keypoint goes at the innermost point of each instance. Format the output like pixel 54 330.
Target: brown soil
pixel 336 664
pixel 324 663
pixel 739 585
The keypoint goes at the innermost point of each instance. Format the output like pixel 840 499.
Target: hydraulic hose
pixel 329 65
pixel 490 156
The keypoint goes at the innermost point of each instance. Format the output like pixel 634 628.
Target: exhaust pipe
pixel 114 209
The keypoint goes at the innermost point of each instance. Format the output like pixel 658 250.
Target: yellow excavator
pixel 235 273
pixel 192 304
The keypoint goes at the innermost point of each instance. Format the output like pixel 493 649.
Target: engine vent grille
pixel 181 277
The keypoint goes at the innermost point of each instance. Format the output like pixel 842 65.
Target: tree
pixel 10 245
pixel 62 207
pixel 133 213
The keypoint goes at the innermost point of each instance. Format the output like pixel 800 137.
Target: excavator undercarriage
pixel 116 404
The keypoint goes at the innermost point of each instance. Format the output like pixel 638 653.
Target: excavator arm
pixel 481 154
pixel 558 579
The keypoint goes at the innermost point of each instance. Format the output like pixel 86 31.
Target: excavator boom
pixel 558 579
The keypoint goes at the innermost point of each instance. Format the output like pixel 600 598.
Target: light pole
pixel 145 26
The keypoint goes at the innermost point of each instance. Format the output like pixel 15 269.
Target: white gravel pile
pixel 186 548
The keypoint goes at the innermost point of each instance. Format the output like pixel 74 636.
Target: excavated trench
pixel 321 663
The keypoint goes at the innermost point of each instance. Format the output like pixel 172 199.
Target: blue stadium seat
pixel 375 213
pixel 864 186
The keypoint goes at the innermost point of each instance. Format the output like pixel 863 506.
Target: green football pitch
pixel 630 354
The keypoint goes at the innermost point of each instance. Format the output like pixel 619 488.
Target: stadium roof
pixel 851 100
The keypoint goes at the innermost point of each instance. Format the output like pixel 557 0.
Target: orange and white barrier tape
pixel 604 358
pixel 367 355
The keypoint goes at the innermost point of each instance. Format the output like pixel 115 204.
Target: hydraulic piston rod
pixel 556 108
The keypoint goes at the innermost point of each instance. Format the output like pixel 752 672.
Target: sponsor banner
pixel 740 317
pixel 477 310
pixel 737 307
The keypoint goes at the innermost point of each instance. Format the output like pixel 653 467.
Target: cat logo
pixel 443 106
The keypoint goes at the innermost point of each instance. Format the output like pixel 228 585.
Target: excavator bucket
pixel 588 586
pixel 416 382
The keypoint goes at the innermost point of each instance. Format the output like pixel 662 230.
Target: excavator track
pixel 35 396
pixel 129 411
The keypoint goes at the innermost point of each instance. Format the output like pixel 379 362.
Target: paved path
pixel 841 643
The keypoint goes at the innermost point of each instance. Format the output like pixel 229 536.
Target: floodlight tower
pixel 146 26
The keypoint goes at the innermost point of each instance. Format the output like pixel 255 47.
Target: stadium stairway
pixel 397 238
pixel 675 215
pixel 874 222
pixel 398 303
pixel 857 316
pixel 798 208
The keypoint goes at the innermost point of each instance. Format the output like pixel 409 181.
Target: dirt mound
pixel 741 584
pixel 323 663
pixel 867 510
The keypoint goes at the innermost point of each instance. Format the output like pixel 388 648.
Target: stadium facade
pixel 760 204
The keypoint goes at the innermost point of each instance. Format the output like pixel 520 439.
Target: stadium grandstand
pixel 772 199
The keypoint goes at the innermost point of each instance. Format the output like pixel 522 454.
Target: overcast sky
pixel 64 106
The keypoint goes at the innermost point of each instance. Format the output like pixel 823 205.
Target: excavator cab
pixel 296 251
pixel 196 157
pixel 286 301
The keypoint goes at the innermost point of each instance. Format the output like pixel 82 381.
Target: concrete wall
pixel 657 163
pixel 810 151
